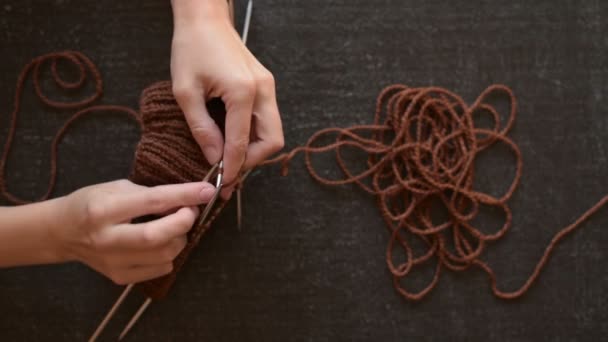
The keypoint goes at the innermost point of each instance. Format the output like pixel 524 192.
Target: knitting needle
pixel 210 173
pixel 202 219
pixel 239 209
pixel 139 312
pixel 247 22
pixel 110 313
pixel 239 206
pixel 129 287
pixel 218 185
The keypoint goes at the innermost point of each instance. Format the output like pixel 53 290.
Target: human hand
pixel 208 59
pixel 97 231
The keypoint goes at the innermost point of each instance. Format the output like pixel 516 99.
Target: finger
pixel 267 130
pixel 155 200
pixel 152 234
pixel 157 256
pixel 139 274
pixel 227 191
pixel 204 129
pixel 239 107
pixel 268 137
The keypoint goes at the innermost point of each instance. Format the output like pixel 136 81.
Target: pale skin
pixel 93 225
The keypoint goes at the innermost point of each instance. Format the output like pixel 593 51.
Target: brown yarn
pixel 166 154
pixel 85 69
pixel 421 151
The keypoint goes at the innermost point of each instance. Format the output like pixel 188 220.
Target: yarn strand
pixel 84 66
pixel 422 152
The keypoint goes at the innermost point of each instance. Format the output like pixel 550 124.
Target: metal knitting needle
pixel 239 207
pixel 218 186
pixel 210 173
pixel 247 22
pixel 129 287
pixel 201 220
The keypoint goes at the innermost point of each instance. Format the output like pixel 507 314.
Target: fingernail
pixel 207 192
pixel 211 153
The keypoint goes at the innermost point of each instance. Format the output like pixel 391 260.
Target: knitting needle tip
pixel 239 209
pixel 247 22
pixel 110 313
pixel 239 200
pixel 134 319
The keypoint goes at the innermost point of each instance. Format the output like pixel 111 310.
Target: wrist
pixel 58 224
pixel 194 11
pixel 29 234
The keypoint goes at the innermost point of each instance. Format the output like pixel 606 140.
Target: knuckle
pixel 277 143
pixel 266 79
pixel 96 243
pixel 121 281
pixel 202 132
pixel 155 201
pixel 124 183
pixel 244 87
pixel 95 210
pixel 182 91
pixel 237 145
pixel 112 263
pixel 167 254
pixel 117 278
pixel 187 218
pixel 149 236
pixel 166 269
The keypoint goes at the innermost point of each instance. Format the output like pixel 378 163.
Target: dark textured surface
pixel 309 265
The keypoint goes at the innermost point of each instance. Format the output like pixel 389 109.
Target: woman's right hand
pixel 208 59
pixel 96 228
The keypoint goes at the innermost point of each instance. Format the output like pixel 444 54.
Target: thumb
pixel 204 129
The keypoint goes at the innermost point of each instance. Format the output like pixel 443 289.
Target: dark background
pixel 309 265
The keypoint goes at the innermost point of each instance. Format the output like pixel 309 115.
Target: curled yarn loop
pixel 85 69
pixel 421 150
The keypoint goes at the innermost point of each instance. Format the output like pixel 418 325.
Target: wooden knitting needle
pixel 129 287
pixel 135 317
pixel 207 210
pixel 203 216
pixel 201 220
pixel 110 313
